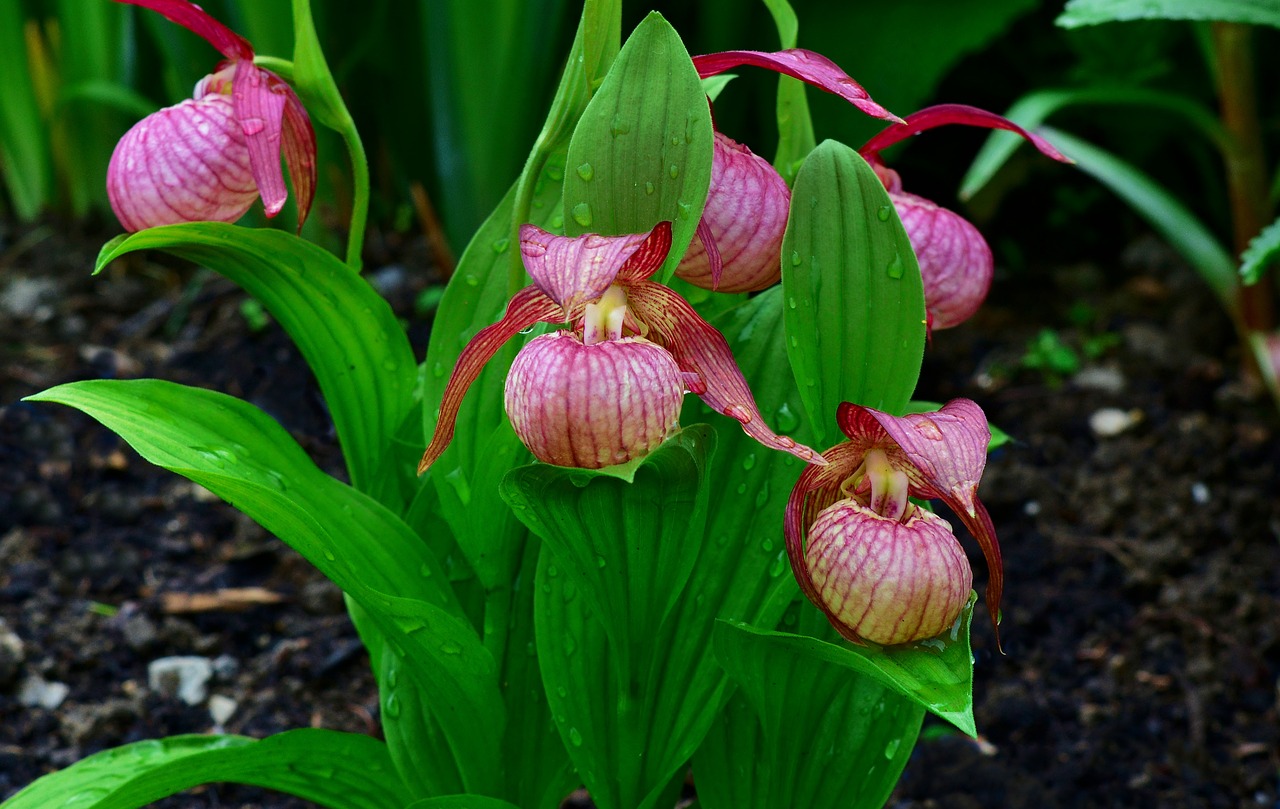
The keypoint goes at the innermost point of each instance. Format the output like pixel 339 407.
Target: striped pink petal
pixel 260 112
pixel 943 114
pixel 574 271
pixel 195 19
pixel 591 406
pixel 299 150
pixel 185 163
pixel 527 307
pixel 884 580
pixel 746 216
pixel 798 63
pixel 955 261
pixel 699 349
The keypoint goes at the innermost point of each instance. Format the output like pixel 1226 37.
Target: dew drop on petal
pixel 252 126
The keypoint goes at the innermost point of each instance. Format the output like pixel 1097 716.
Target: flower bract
pixel 607 388
pixel 209 157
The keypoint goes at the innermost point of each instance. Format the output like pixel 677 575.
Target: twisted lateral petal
pixel 299 150
pixel 184 163
pixel 529 306
pixel 195 19
pixel 942 114
pixel 746 214
pixel 591 406
pixel 883 580
pixel 798 63
pixel 573 271
pixel 698 347
pixel 260 110
pixel 955 262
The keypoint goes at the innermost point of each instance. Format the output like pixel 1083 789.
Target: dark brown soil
pixel 1142 610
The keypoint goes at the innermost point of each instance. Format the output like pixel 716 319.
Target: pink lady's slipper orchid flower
pixel 209 157
pixel 740 235
pixel 884 570
pixel 608 389
pixel 955 261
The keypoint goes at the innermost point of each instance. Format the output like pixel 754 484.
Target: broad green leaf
pixel 795 125
pixel 642 152
pixel 1161 210
pixel 107 94
pixel 854 300
pixel 338 770
pixel 615 560
pixel 1093 12
pixel 539 772
pixel 629 545
pixel 345 330
pixel 936 673
pixel 24 144
pixel 239 453
pixel 801 732
pixel 1263 250
pixel 1033 109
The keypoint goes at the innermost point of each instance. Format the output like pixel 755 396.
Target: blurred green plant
pixel 1225 31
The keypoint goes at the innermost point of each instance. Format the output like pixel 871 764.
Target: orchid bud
pixel 887 580
pixel 208 158
pixel 591 406
pixel 185 163
pixel 745 217
pixel 955 262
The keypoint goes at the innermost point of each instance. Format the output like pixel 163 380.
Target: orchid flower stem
pixel 1244 158
pixel 346 128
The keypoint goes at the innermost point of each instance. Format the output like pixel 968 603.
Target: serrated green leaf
pixel 1169 217
pixel 339 770
pixel 345 330
pixel 854 299
pixel 1093 12
pixel 1034 109
pixel 1263 250
pixel 242 455
pixel 936 673
pixel 642 152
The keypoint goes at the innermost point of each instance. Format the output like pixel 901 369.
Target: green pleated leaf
pixel 338 770
pixel 803 733
pixel 854 299
pixel 615 560
pixel 629 545
pixel 1093 12
pixel 1263 249
pixel 1034 109
pixel 345 330
pixel 642 152
pixel 239 453
pixel 1161 209
pixel 937 673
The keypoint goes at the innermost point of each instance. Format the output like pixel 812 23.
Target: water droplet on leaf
pixel 586 172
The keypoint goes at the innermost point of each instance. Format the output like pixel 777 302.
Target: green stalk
pixel 1245 163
